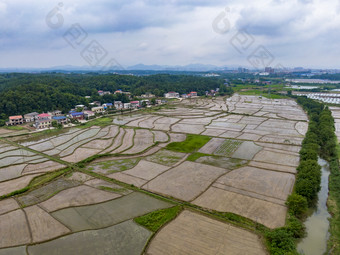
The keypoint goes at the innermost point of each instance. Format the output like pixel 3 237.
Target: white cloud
pixel 297 32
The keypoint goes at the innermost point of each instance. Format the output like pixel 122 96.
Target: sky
pixel 121 33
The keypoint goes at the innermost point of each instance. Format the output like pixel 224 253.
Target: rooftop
pixel 76 113
pixel 43 115
pixel 59 117
pixel 15 117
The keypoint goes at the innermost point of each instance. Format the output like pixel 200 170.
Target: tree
pixel 153 101
pixel 297 204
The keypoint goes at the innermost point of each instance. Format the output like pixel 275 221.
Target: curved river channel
pixel 315 242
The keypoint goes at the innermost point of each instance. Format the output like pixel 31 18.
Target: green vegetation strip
pixel 320 140
pixel 38 182
pixel 155 220
pixel 191 144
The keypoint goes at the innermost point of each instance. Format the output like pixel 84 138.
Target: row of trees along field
pixel 24 93
pixel 320 140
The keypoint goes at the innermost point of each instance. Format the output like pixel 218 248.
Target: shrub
pixel 295 227
pixel 281 241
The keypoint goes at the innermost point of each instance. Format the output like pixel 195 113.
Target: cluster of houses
pixel 40 121
pixel 81 112
pixel 44 120
pixel 172 94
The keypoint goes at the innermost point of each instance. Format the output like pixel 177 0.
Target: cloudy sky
pixel 45 33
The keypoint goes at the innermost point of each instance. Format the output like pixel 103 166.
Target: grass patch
pixel 196 155
pixel 101 122
pixel 115 190
pixel 15 128
pixel 191 144
pixel 155 220
pixel 39 180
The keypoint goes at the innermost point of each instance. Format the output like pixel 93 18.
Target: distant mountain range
pixel 139 67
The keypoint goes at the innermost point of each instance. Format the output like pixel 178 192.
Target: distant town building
pixel 171 94
pixel 15 120
pixel 269 70
pixel 31 117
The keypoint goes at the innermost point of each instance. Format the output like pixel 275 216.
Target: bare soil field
pixel 192 233
pixel 108 213
pixel 126 238
pixel 146 170
pixel 8 205
pixel 186 181
pixel 14 230
pixel 70 197
pixel 269 214
pixel 279 158
pixel 42 225
pixel 268 183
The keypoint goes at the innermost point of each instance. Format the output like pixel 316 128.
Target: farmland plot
pixel 205 236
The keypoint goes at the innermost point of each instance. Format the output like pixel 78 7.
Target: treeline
pixel 24 93
pixel 320 141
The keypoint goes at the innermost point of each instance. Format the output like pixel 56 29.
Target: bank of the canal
pixel 317 224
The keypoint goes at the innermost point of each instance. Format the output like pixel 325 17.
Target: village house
pixel 98 109
pixel 108 106
pixel 43 123
pixel 171 94
pixel 77 115
pixel 193 94
pixel 15 120
pixel 95 103
pixel 79 106
pixel 118 105
pixel 134 104
pixel 127 105
pixel 60 119
pixel 44 116
pixel 147 102
pixel 88 114
pixel 31 117
pixel 147 95
pixel 55 113
pixel 102 93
